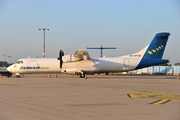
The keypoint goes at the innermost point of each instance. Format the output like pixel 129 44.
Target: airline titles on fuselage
pixel 33 67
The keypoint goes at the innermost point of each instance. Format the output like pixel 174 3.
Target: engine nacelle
pixel 70 58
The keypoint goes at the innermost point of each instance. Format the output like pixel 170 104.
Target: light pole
pixel 44 29
pixel 9 58
pixel 4 56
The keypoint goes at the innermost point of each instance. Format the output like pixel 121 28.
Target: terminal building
pixel 158 70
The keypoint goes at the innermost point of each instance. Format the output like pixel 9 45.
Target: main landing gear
pixel 82 75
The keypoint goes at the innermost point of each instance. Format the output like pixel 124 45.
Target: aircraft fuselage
pixel 95 65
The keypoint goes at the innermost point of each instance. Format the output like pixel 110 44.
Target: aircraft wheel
pixel 18 76
pixel 82 75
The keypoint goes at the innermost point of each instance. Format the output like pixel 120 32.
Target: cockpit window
pixel 19 62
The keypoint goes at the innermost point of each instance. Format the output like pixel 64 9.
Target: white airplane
pixel 82 64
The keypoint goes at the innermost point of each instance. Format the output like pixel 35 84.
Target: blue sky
pixel 128 25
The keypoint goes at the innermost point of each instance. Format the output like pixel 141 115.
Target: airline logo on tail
pixel 150 52
pixel 155 51
pixel 157 46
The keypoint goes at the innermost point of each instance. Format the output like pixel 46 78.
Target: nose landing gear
pixel 18 75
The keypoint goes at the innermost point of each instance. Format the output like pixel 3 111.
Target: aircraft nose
pixel 9 68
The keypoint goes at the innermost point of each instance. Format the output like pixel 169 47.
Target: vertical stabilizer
pixel 157 46
pixel 152 54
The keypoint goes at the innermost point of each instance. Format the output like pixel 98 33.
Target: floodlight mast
pixel 101 48
pixel 9 58
pixel 4 56
pixel 44 29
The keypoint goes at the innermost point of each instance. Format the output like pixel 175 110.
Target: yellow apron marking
pixel 100 104
pixel 161 101
pixel 149 95
pixel 9 84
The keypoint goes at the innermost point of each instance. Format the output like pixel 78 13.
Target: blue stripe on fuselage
pixel 150 62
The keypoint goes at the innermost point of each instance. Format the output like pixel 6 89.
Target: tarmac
pixel 36 97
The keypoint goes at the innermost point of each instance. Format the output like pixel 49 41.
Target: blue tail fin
pixel 154 52
pixel 156 48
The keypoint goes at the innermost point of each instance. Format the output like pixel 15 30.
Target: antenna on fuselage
pixel 101 48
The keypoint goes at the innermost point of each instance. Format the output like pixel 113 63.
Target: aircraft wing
pixel 82 54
